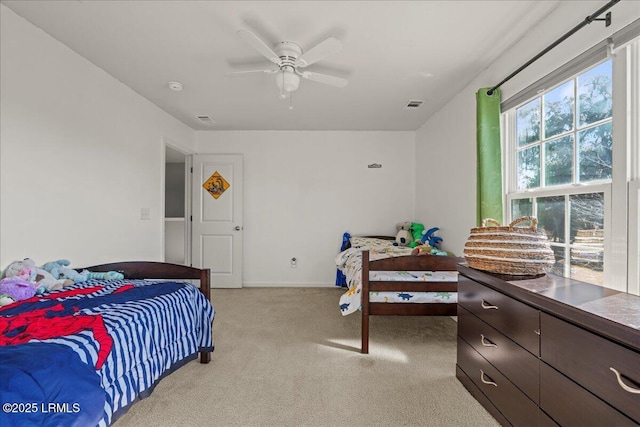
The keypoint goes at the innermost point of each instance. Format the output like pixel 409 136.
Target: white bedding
pixel 350 263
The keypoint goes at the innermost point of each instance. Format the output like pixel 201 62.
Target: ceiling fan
pixel 291 61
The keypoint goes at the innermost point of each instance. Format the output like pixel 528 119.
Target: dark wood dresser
pixel 549 351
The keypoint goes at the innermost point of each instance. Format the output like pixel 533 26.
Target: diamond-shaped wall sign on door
pixel 216 185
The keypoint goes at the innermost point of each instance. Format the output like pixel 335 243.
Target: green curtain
pixel 489 194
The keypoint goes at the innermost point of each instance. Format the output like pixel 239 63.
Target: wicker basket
pixel 519 251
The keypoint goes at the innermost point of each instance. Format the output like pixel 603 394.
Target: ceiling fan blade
pixel 319 51
pixel 324 78
pixel 259 45
pixel 241 73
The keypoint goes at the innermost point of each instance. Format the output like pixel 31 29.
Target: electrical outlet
pixel 294 262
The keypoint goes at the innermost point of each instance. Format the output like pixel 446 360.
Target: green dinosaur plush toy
pixel 416 230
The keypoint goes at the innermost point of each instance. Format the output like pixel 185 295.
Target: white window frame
pixel 633 136
pixel 622 193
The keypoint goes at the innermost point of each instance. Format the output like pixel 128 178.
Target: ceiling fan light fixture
pixel 287 80
pixel 290 59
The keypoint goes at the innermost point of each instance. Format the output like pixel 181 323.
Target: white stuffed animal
pixel 403 237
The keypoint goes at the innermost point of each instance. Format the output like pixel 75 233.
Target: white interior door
pixel 217 217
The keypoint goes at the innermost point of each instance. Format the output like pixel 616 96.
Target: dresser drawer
pixel 480 397
pixel 514 405
pixel 571 405
pixel 514 319
pixel 587 358
pixel 514 362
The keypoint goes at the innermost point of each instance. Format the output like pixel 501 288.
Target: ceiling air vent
pixel 413 104
pixel 206 120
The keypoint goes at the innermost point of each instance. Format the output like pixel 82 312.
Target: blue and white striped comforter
pixel 155 327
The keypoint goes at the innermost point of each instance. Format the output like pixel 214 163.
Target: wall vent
pixel 206 120
pixel 413 104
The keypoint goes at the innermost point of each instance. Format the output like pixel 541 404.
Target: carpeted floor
pixel 287 357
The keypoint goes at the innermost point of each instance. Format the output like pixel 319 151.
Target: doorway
pixel 176 195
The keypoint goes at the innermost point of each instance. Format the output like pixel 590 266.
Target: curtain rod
pixel 588 20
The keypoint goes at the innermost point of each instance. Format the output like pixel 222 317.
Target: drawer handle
pixel 482 375
pixel 623 385
pixel 487 306
pixel 488 342
pixel 536 331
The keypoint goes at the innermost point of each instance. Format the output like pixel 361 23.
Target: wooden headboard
pixel 157 270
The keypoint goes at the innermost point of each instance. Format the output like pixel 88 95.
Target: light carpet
pixel 287 357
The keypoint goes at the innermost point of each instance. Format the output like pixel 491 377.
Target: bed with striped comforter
pixel 82 355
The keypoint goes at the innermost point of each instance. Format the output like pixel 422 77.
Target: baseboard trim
pixel 287 285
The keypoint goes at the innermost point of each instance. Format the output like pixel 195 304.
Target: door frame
pixel 188 216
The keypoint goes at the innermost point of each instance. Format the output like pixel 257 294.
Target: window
pixel 571 145
pixel 563 146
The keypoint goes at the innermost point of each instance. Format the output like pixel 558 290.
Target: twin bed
pixel 82 355
pixel 384 279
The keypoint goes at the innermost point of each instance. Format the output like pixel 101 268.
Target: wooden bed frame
pixel 161 270
pixel 405 263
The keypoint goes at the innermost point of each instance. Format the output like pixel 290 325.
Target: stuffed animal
pixel 108 275
pixel 430 238
pixel 59 270
pixel 427 250
pixel 41 278
pixel 416 233
pixel 28 274
pixel 14 269
pixel 403 237
pixel 6 300
pixel 15 289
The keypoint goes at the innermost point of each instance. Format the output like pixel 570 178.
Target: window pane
pixel 587 214
pixel 558 266
pixel 558 110
pixel 529 168
pixel 594 94
pixel 551 216
pixel 521 207
pixel 595 153
pixel 586 269
pixel 558 155
pixel 587 236
pixel 528 123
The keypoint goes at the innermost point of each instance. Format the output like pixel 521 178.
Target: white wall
pixel 445 144
pixel 304 189
pixel 80 154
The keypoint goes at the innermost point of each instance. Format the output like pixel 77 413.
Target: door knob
pixel 238 228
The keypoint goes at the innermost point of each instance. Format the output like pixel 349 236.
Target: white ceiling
pixel 392 52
